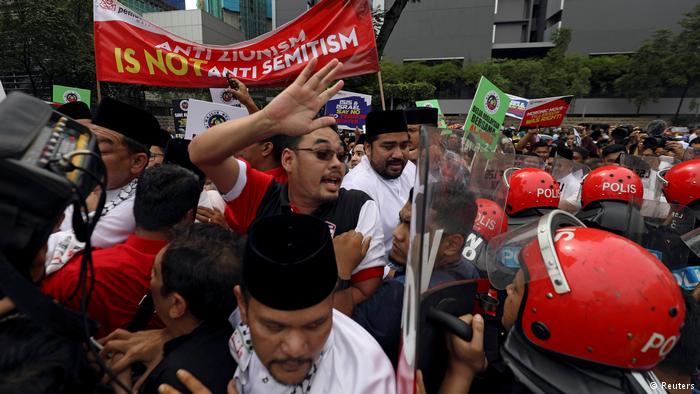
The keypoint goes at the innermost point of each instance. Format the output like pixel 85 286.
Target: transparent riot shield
pixel 570 175
pixel 648 167
pixel 689 277
pixel 691 153
pixel 441 283
pixel 662 230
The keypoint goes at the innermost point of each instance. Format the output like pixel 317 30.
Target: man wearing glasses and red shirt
pixel 314 164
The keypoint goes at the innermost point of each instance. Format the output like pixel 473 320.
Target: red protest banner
pixel 546 112
pixel 130 49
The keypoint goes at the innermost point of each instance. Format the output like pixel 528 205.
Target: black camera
pixel 47 160
pixel 620 135
pixel 655 142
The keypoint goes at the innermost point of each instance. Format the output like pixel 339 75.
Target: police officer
pixel 532 192
pixel 579 318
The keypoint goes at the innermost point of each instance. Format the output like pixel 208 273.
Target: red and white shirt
pixel 256 194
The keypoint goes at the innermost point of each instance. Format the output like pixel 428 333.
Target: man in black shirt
pixel 314 166
pixel 191 286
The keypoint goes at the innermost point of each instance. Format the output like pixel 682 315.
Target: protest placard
pixel 223 96
pixel 349 109
pixel 202 115
pixel 67 94
pixel 517 107
pixel 486 116
pixel 180 107
pixel 546 112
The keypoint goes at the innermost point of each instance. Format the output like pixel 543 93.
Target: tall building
pixel 178 4
pixel 471 31
pixel 253 17
pixel 474 30
pixel 197 25
pixel 142 6
pixel 212 7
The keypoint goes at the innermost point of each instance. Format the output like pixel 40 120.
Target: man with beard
pixel 124 134
pixel 288 338
pixel 385 173
pixel 314 166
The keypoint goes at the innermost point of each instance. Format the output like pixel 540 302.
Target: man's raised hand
pixel 292 111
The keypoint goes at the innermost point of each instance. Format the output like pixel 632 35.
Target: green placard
pixel 486 115
pixel 434 104
pixel 67 94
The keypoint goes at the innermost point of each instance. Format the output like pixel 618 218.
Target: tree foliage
pixel 665 60
pixel 408 91
pixel 648 74
pixel 51 39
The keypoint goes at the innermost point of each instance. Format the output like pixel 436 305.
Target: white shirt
pixel 389 194
pixel 211 199
pixel 351 363
pixel 113 228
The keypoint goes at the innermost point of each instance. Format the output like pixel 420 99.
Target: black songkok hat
pixel 382 122
pixel 162 139
pixel 76 110
pixel 132 122
pixel 289 262
pixel 422 115
pixel 176 152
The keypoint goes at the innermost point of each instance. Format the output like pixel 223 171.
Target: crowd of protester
pixel 271 254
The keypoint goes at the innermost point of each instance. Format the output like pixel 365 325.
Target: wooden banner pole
pixel 99 92
pixel 381 90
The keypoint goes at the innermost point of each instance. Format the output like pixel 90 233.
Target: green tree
pixel 605 70
pixel 562 74
pixel 686 62
pixel 649 69
pixel 408 92
pixel 51 39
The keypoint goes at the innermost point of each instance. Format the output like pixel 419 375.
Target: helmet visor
pixel 507 252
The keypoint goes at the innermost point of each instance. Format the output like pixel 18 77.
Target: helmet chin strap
pixel 546 237
pixel 506 174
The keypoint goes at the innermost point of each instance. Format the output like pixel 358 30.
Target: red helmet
pixel 619 307
pixel 490 219
pixel 682 182
pixel 531 188
pixel 611 183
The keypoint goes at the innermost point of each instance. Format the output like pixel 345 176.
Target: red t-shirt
pixel 122 278
pixel 279 174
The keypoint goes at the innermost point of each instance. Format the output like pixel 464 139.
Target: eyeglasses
pixel 325 154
